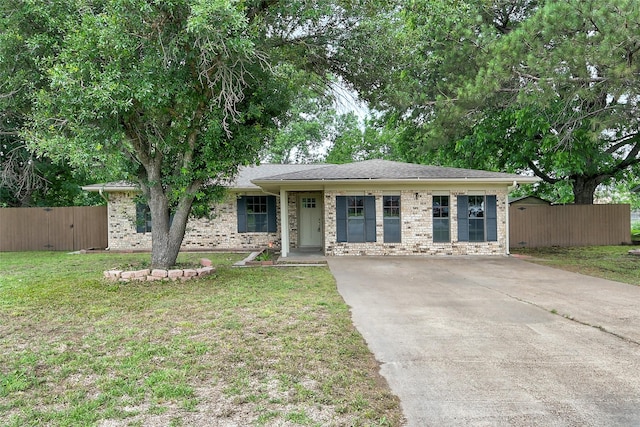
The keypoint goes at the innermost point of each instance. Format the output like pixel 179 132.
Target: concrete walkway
pixel 477 341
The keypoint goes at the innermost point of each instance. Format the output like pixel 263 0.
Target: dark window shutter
pixel 491 213
pixel 272 224
pixel 463 218
pixel 341 218
pixel 141 221
pixel 369 219
pixel 242 214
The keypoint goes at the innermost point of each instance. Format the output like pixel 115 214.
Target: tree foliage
pixel 549 87
pixel 29 32
pixel 178 94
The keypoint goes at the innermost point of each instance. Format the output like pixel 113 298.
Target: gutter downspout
pixel 508 243
pixel 101 192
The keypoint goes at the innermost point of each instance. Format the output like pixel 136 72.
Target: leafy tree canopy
pixel 549 87
pixel 177 94
pixel 29 32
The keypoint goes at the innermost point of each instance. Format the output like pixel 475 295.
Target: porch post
pixel 507 237
pixel 284 223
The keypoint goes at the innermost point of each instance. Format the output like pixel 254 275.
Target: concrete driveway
pixel 479 341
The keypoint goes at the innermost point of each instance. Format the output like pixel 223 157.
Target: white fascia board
pixel 109 188
pixel 317 183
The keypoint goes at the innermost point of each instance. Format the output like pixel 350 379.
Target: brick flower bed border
pixel 147 275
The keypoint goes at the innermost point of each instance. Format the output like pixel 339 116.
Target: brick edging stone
pixel 147 275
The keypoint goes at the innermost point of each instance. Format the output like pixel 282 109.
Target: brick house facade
pixel 367 208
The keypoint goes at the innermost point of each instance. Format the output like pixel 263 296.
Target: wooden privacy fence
pixel 53 229
pixel 569 225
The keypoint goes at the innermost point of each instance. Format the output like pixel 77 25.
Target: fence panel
pixel 569 225
pixel 58 229
pixel 90 227
pixel 23 229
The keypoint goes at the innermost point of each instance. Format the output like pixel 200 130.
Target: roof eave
pixel 109 189
pixel 299 182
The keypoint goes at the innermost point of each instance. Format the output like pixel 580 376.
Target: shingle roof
pixel 366 170
pixel 243 180
pixel 385 170
pixel 250 173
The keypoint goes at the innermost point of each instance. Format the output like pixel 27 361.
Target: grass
pixel 253 347
pixel 607 262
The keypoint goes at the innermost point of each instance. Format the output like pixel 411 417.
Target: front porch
pixel 304 256
pixel 301 224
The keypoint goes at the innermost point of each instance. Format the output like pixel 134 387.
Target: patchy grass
pixel 257 347
pixel 607 262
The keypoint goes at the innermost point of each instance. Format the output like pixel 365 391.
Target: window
pixel 257 214
pixel 143 218
pixel 391 218
pixel 475 208
pixel 477 219
pixel 441 219
pixel 355 219
pixel 309 202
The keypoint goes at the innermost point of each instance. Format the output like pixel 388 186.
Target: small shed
pixel 527 201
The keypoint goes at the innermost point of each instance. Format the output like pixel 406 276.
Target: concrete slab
pixel 491 341
pixel 301 256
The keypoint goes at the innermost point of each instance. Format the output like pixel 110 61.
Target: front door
pixel 310 220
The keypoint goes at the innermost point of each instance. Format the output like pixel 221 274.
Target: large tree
pixel 545 86
pixel 577 77
pixel 182 92
pixel 29 31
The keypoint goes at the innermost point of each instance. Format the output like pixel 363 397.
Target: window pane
pixel 392 230
pixel 441 230
pixel 391 206
pixel 355 206
pixel 476 206
pixel 476 230
pixel 257 204
pixel 355 230
pixel 309 202
pixel 441 206
pixel 143 218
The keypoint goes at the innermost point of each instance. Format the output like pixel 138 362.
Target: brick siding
pixel 416 220
pixel 220 232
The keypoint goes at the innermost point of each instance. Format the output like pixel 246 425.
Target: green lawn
pixel 263 346
pixel 608 262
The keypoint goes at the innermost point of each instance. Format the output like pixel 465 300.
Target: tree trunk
pixel 584 188
pixel 167 233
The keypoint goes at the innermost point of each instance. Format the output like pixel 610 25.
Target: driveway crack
pixel 565 316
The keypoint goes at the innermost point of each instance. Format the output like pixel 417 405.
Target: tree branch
pixel 620 143
pixel 538 172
